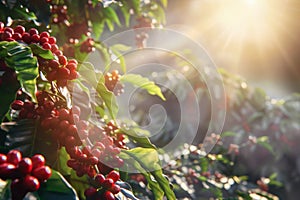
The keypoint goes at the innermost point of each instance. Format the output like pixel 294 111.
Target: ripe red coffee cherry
pixel 26 38
pixel 44 35
pixel 54 47
pixel 62 60
pixel 17 190
pixel 17 36
pixel 63 73
pixel 108 195
pixel 14 157
pixel 42 173
pixel 6 35
pixel 19 29
pixel 52 40
pixel 17 105
pixel 3 158
pixel 114 175
pixel 25 166
pixel 64 125
pixel 31 183
pixel 8 30
pixel 71 66
pixel 33 31
pixel 90 192
pixel 35 38
pixel 108 183
pixel 7 171
pixel 64 114
pixel 115 189
pixel 54 64
pixel 2 25
pixel 99 178
pixel 38 160
pixel 44 40
pixel 46 46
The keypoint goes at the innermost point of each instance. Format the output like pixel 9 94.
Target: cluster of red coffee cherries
pixel 112 82
pixel 141 37
pixel 112 130
pixel 60 68
pixel 26 173
pixel 104 187
pixel 87 45
pixel 59 13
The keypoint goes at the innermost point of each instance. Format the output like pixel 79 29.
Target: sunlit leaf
pixel 57 187
pixel 109 99
pixel 143 83
pixel 39 51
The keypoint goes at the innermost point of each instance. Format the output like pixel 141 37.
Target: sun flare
pixel 239 27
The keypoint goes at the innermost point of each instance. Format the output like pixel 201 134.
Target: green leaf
pixel 6 98
pixel 97 23
pixel 138 136
pixel 57 187
pixel 116 49
pixel 146 160
pixel 120 58
pixel 20 135
pixel 228 134
pixel 104 52
pixel 159 14
pixel 164 3
pixel 121 47
pixel 157 191
pixel 143 83
pixel 22 13
pixel 126 12
pixel 111 15
pixel 87 71
pixel 80 184
pixel 39 51
pixel 62 166
pixel 108 98
pixel 204 164
pixel 19 57
pixel 109 24
pixel 264 142
pixel 135 5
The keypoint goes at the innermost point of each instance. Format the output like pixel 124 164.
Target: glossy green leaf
pixel 146 160
pixel 126 12
pixel 57 187
pixel 39 51
pixel 135 5
pixel 19 57
pixel 80 184
pixel 97 23
pixel 264 142
pixel 105 54
pixel 87 71
pixel 138 136
pixel 228 134
pixel 153 185
pixel 120 59
pixel 21 12
pixel 109 99
pixel 20 135
pixel 143 83
pixel 62 166
pixel 111 15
